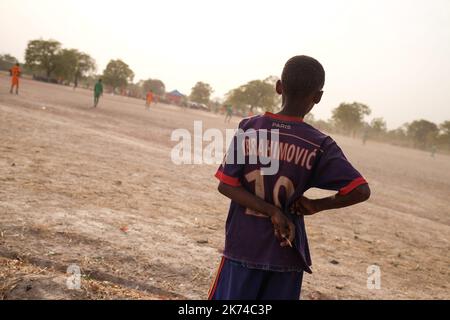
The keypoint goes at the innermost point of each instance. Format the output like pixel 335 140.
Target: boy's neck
pixel 294 109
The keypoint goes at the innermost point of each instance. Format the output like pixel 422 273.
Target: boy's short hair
pixel 302 75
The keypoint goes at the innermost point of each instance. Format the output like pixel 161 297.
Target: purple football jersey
pixel 306 159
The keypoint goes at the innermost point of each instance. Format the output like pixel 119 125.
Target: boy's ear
pixel 318 97
pixel 279 87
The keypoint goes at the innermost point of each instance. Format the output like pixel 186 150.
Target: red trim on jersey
pixel 213 288
pixel 352 186
pixel 283 117
pixel 234 182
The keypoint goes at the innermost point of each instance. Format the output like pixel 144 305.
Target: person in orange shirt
pixel 149 99
pixel 15 74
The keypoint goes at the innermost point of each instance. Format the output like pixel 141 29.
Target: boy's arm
pixel 284 228
pixel 305 206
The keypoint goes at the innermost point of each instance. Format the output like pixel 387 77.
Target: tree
pixel 201 93
pixel 445 128
pixel 73 65
pixel 255 94
pixel 85 66
pixel 156 86
pixel 41 55
pixel 216 104
pixel 134 90
pixel 7 61
pixel 90 80
pixel 349 117
pixel 277 99
pixel 444 136
pixel 423 133
pixel 65 64
pixel 117 74
pixel 378 127
pixel 398 136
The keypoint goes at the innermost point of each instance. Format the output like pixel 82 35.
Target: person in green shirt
pixel 229 113
pixel 98 92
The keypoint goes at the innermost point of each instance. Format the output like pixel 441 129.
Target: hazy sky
pixel 392 55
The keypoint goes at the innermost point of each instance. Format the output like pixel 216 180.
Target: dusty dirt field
pixel 97 188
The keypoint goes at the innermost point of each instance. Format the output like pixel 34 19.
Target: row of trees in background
pixel 47 60
pixel 349 119
pixel 250 98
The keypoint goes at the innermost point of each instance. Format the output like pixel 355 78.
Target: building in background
pixel 175 97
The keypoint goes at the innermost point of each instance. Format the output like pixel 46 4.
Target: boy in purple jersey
pixel 266 248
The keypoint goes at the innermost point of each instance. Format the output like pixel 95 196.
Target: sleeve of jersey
pixel 231 170
pixel 335 172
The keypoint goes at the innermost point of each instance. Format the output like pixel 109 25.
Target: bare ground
pixel 97 188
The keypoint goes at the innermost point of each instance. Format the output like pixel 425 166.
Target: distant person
pixel 98 92
pixel 433 150
pixel 228 113
pixel 15 73
pixel 149 99
pixel 365 135
pixel 75 84
pixel 266 247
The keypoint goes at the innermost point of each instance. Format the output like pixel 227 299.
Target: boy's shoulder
pixel 249 122
pixel 318 137
pixel 313 130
